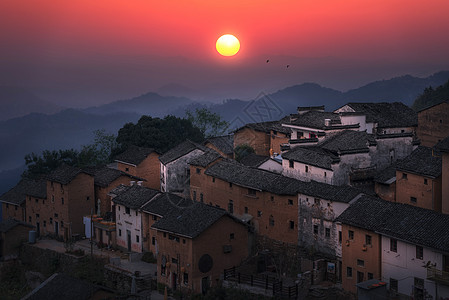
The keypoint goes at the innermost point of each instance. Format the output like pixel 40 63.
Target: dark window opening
pixel 351 234
pixel 290 202
pixel 419 252
pixel 291 164
pixel 349 272
pixel 413 199
pixel 368 240
pixel 271 221
pixel 393 245
pixel 231 236
pixel 327 232
pixel 315 229
pixel 127 210
pixel 292 225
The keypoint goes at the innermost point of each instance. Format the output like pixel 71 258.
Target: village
pixel 353 202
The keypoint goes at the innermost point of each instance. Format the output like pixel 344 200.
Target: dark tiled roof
pixel 34 188
pixel 134 155
pixel 423 161
pixel 180 150
pixel 267 127
pixel 65 174
pixel 443 145
pixel 278 184
pixel 61 286
pixel 383 176
pixel 191 221
pixel 223 143
pixel 205 159
pixel 9 224
pixel 394 114
pixel 166 203
pixel 349 141
pixel 254 160
pixel 254 178
pixel 103 176
pixel 315 119
pixel 313 156
pixel 405 222
pixel 134 196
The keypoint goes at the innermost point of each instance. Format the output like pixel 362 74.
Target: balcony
pixel 437 275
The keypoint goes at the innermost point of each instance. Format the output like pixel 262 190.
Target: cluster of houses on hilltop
pixel 354 185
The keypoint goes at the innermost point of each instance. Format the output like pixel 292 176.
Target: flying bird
pixel 288 66
pixel 268 60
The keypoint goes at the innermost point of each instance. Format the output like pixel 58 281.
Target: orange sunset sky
pixel 85 52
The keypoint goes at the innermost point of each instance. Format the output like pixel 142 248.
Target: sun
pixel 228 45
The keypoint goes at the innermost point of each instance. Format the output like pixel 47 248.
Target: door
pixel 446 263
pixel 359 277
pixel 174 280
pixel 128 236
pixel 205 285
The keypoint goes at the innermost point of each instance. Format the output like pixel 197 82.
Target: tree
pixel 211 124
pixel 431 96
pixel 160 134
pixel 242 150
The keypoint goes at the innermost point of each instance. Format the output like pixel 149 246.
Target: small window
pixel 29 219
pixel 307 169
pixel 137 213
pixel 183 241
pixel 441 121
pixel 87 198
pixel 413 199
pixel 137 238
pixel 393 284
pixel 15 207
pixel 290 202
pixel 317 201
pixel 45 223
pixel 292 225
pixel 126 169
pixel 425 181
pixel 393 245
pixel 325 174
pixel 198 171
pixel 360 263
pixel 419 252
pixel 37 200
pixel 368 240
pixel 127 210
pixel 349 272
pixel 7 205
pixel 327 232
pixel 174 261
pixel 251 192
pixel 154 217
pixel 272 198
pixel 370 276
pixel 213 179
pixel 165 234
pixel 404 175
pixel 119 208
pixel 291 164
pixel 351 234
pixel 62 200
pixel 315 229
pixel 51 220
pixel 62 223
pixel 56 215
pixel 231 236
pixel 37 216
pixel 230 184
pixel 259 213
pixel 153 241
pixel 201 197
pixel 231 207
pixel 52 199
pixel 339 237
pixel 163 270
pixel 194 195
pixel 186 278
pixel 246 209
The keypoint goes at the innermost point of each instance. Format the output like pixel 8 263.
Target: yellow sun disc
pixel 228 45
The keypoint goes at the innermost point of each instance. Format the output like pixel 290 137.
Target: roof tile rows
pixel 104 176
pixel 17 195
pixel 180 150
pixel 422 161
pixel 223 143
pixel 9 224
pixel 134 155
pixel 401 221
pixel 65 174
pixel 315 119
pixel 133 196
pixel 208 157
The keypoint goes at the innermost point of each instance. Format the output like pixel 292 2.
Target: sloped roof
pixel 65 174
pixel 314 156
pixel 165 203
pixel 134 155
pixel 278 184
pixel 315 119
pixel 17 194
pixel 443 145
pixel 191 221
pixel 104 176
pixel 422 161
pixel 254 178
pixel 9 224
pixel 254 160
pixel 405 222
pixel 62 286
pixel 180 150
pixel 267 126
pixel 223 143
pixel 205 159
pixel 349 141
pixel 386 175
pixel 385 114
pixel 134 196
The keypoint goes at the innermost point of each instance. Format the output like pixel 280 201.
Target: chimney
pixel 132 182
pixel 327 122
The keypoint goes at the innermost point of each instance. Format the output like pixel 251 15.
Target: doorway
pixel 56 228
pixel 38 229
pixel 205 285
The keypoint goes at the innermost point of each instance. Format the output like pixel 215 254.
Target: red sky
pixel 90 45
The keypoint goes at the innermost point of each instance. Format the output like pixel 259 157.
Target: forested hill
pixel 432 96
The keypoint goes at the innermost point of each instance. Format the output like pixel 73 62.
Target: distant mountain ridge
pixel 17 102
